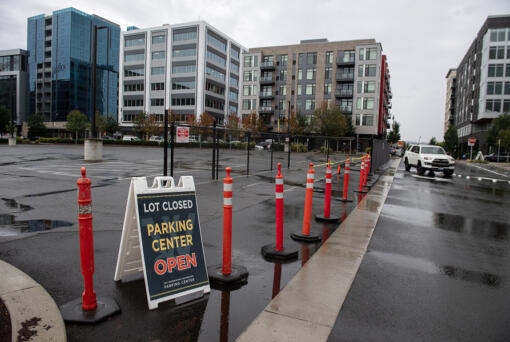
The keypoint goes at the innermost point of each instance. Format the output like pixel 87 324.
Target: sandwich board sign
pixel 161 237
pixel 182 134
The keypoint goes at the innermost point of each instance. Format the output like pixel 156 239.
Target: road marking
pixel 250 185
pixel 290 189
pixel 497 173
pixel 433 178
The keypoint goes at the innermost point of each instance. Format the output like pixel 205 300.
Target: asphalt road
pixel 38 232
pixel 438 264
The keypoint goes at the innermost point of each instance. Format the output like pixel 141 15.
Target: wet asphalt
pixel 438 264
pixel 39 232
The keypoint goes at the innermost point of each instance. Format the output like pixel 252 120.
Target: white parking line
pixel 482 168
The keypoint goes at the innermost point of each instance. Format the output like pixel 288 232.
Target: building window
pixel 498 35
pixel 309 104
pixel 362 54
pixel 250 61
pixel 300 74
pixel 310 89
pixel 328 73
pixel 283 90
pixel 133 102
pixel 158 39
pixel 346 105
pixel 247 104
pixel 185 52
pixel 214 88
pixel 494 88
pixel 234 82
pixel 371 54
pixel 283 75
pixel 179 35
pixel 220 44
pixel 179 69
pixel 310 74
pixel 497 52
pixel 234 67
pixel 311 58
pixel 493 106
pixel 233 95
pixel 284 60
pixel 134 72
pixel 216 58
pixel 139 57
pixel 157 70
pixel 130 42
pixel 158 55
pixel 327 88
pixel 158 86
pixel 299 89
pixel 180 85
pixel 366 87
pixel 183 101
pixel 349 56
pixel 157 102
pixel 507 73
pixel 247 90
pixel 495 70
pixel 329 57
pixel 247 76
pixel 364 120
pixel 507 88
pixel 133 87
pixel 234 53
pixel 215 73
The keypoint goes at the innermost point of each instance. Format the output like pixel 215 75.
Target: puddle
pixel 483 278
pixel 9 226
pixel 13 204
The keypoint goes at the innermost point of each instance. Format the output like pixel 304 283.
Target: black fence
pixel 380 154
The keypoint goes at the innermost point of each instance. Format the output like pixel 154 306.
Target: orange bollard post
pixel 338 169
pixel 226 275
pixel 90 312
pixel 276 251
pixel 327 217
pixel 367 169
pixel 346 182
pixel 305 236
pixel 361 176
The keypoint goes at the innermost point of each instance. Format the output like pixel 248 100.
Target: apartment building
pixel 189 68
pixel 13 84
pixel 483 82
pixel 60 60
pixel 351 74
pixel 451 85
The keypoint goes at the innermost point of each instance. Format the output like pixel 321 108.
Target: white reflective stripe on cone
pixel 279 195
pixel 227 186
pixel 328 180
pixel 328 171
pixel 346 171
pixel 309 185
pixel 279 181
pixel 310 175
pixel 227 201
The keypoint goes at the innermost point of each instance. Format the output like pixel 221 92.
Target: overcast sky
pixel 421 39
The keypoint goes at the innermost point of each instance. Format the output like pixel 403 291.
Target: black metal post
pixel 94 65
pixel 172 146
pixel 248 155
pixel 12 93
pixel 327 150
pixel 272 146
pixel 165 145
pixel 288 132
pixel 214 151
pixel 217 151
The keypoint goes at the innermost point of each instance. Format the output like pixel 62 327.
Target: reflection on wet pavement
pixel 483 278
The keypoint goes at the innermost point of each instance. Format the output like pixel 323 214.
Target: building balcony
pixel 266 95
pixel 344 77
pixel 267 80
pixel 343 92
pixel 346 110
pixel 266 110
pixel 341 61
pixel 267 65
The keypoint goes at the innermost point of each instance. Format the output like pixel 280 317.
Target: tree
pixel 191 120
pixel 77 122
pixel 450 140
pixel 36 127
pixel 329 121
pixel 250 122
pixel 504 138
pixel 140 129
pixel 350 131
pixel 5 118
pixel 394 134
pixel 500 123
pixel 233 123
pixel 433 141
pixel 100 124
pixel 206 120
pixel 112 125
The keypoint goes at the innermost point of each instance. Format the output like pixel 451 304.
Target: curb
pixel 34 314
pixel 307 308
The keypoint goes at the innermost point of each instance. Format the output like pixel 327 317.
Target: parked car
pixel 130 138
pixel 156 138
pixel 107 137
pixel 429 158
pixel 502 157
pixel 259 148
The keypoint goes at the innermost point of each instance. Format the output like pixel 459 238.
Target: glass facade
pixel 69 42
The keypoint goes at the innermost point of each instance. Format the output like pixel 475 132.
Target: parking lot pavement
pixel 438 264
pixel 38 191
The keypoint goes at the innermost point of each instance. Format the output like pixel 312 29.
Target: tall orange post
pixel 307 217
pixel 346 182
pixel 327 217
pixel 227 223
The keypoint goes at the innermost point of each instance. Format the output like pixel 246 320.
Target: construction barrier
pixel 361 176
pixel 227 276
pixel 90 311
pixel 347 170
pixel 276 251
pixel 305 236
pixel 327 217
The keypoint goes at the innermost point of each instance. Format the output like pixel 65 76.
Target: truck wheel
pixel 448 173
pixel 420 169
pixel 406 163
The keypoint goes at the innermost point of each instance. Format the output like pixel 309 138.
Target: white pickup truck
pixel 428 158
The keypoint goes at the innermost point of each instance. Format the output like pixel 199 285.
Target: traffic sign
pixel 182 134
pixel 471 141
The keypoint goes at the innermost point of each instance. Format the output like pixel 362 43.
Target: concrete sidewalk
pixel 307 308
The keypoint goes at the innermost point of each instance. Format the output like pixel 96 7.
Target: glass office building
pixel 60 64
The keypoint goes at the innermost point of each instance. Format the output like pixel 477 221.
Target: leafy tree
pixel 504 136
pixel 100 124
pixel 191 120
pixel 139 121
pixel 450 139
pixel 250 122
pixel 36 127
pixel 5 118
pixel 206 120
pixel 394 134
pixel 233 123
pixel 350 131
pixel 433 141
pixel 147 125
pixel 329 121
pixel 112 125
pixel 77 122
pixel 500 123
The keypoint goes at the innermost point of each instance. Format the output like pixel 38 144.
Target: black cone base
pixel 361 192
pixel 305 238
pixel 270 253
pixel 233 281
pixel 73 312
pixel 331 218
pixel 343 200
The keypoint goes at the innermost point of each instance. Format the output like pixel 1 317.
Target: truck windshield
pixel 432 150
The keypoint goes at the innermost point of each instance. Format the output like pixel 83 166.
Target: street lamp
pixel 94 65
